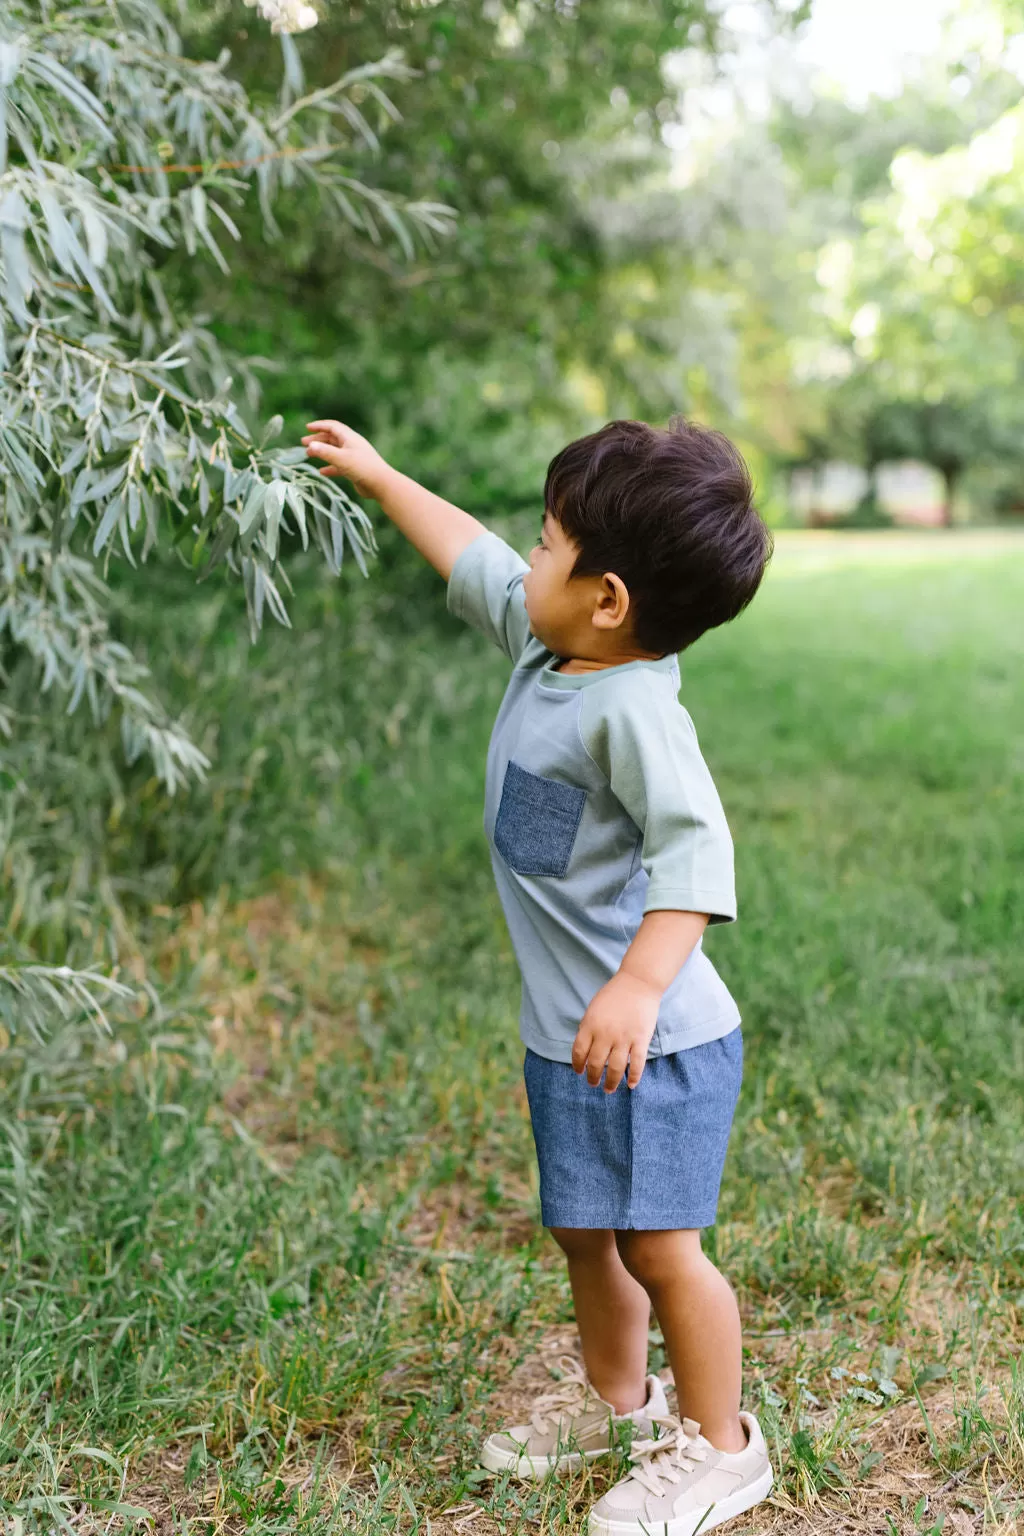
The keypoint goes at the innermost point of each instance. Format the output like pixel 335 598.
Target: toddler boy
pixel 612 854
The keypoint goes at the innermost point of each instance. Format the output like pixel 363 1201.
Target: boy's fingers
pixel 326 426
pixel 595 1062
pixel 327 451
pixel 580 1050
pixel 616 1067
pixel 637 1062
pixel 333 455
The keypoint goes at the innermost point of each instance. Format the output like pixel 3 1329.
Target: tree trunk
pixel 950 478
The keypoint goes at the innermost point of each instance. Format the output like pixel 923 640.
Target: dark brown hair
pixel 671 513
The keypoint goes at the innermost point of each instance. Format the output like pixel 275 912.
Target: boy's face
pixel 554 604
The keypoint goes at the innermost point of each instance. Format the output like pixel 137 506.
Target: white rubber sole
pixel 533 1469
pixel 696 1520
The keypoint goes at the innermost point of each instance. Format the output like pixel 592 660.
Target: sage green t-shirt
pixel 598 808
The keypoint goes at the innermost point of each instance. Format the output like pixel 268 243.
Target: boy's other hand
pixel 346 453
pixel 616 1028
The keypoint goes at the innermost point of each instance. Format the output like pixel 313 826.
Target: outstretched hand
pixel 346 453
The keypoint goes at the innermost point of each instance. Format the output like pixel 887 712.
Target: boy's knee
pixel 658 1258
pixel 582 1242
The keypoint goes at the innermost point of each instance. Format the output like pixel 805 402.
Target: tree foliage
pixel 118 428
pixel 120 432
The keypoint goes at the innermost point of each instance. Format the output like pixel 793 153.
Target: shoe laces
pixel 677 1452
pixel 567 1400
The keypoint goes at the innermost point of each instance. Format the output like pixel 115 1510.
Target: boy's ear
pixel 612 603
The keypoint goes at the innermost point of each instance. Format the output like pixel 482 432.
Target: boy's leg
pixel 613 1314
pixel 700 1320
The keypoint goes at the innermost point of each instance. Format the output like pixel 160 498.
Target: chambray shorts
pixel 648 1157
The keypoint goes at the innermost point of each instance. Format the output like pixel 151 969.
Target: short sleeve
pixel 485 589
pixel 645 744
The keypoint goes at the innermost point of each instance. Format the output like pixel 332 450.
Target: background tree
pixel 916 348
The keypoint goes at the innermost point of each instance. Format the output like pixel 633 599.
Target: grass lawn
pixel 273 1258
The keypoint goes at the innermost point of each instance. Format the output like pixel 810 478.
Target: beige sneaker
pixel 679 1484
pixel 569 1426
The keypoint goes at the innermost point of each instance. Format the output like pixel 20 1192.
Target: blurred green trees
pixel 939 315
pixel 912 245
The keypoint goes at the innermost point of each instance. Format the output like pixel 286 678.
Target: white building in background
pixel 826 491
pixel 910 492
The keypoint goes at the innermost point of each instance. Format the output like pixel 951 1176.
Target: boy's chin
pixel 550 639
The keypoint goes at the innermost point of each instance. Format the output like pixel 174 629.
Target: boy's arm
pixel 619 1024
pixel 651 758
pixel 644 742
pixel 485 581
pixel 664 942
pixel 439 530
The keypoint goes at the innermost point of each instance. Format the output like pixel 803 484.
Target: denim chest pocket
pixel 537 822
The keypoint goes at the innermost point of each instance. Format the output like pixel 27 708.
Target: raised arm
pixel 439 530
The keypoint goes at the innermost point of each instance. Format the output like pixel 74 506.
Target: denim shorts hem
pixel 661 1221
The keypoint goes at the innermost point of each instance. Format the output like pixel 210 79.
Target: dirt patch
pixel 902 1491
